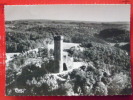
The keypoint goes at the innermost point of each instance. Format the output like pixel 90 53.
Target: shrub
pixel 118 83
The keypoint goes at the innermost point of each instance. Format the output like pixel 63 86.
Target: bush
pixel 118 83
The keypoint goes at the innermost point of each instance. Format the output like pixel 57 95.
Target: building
pixel 62 60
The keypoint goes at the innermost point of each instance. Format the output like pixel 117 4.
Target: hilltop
pixel 33 73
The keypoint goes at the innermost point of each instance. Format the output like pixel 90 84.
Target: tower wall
pixel 58 54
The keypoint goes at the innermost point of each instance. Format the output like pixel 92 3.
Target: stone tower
pixel 58 54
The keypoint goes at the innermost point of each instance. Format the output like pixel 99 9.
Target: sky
pixel 99 13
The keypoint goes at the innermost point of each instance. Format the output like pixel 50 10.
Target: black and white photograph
pixel 68 50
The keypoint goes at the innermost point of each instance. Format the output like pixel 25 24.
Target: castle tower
pixel 58 54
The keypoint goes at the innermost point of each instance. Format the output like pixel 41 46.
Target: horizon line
pixel 63 20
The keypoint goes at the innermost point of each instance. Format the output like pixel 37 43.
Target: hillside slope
pixel 105 74
pixel 22 35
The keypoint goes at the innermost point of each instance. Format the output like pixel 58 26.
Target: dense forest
pixel 106 50
pixel 25 35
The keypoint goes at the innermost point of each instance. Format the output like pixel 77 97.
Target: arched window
pixel 64 67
